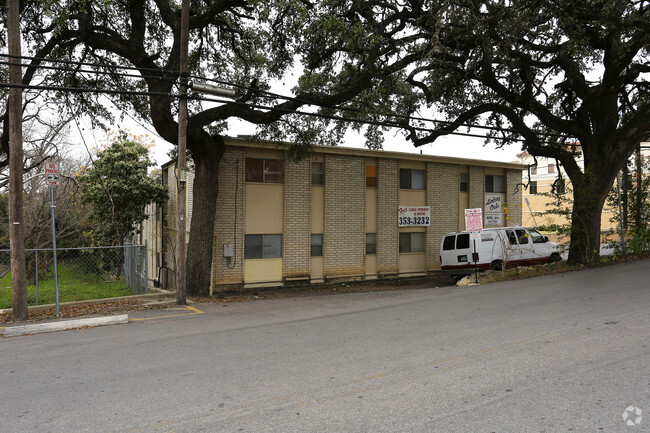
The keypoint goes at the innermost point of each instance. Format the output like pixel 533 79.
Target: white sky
pixel 451 145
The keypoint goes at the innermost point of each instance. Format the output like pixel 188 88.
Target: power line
pixel 160 72
pixel 87 71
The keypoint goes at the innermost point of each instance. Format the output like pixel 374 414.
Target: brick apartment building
pixel 340 214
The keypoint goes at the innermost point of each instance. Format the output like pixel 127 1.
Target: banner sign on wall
pixel 414 216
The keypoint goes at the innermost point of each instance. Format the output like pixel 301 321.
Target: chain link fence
pixel 83 274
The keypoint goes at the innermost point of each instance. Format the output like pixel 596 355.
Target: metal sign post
pixel 52 179
pixel 474 225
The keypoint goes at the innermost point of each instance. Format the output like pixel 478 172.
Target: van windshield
pixel 536 237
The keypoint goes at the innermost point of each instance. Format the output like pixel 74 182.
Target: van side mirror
pixel 545 238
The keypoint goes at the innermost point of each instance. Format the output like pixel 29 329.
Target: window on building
pixel 551 168
pixel 494 183
pixel 464 182
pixel 263 246
pixel 559 186
pixel 410 178
pixel 264 170
pixel 316 245
pixel 318 173
pixel 533 169
pixel 411 242
pixel 371 243
pixel 533 187
pixel 371 176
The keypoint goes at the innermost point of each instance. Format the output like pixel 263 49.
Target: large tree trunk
pixel 588 201
pixel 207 156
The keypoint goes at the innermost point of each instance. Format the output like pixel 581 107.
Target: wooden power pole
pixel 16 230
pixel 181 202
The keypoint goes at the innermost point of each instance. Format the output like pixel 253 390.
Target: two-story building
pixel 339 214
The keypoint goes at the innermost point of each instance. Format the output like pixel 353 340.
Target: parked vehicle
pixel 494 249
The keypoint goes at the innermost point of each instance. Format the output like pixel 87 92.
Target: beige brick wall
pixel 387 204
pixel 476 187
pixel 443 190
pixel 344 237
pixel 231 184
pixel 514 197
pixel 296 238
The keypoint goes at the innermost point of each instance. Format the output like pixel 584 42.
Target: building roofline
pixel 368 153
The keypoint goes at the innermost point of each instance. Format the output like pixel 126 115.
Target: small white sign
pixel 474 220
pixel 414 216
pixel 493 219
pixel 52 173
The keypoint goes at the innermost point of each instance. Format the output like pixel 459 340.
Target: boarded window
pixel 371 176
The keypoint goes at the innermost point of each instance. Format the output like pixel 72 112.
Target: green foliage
pixel 634 203
pixel 118 188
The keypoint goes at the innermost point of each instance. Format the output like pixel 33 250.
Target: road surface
pixel 566 352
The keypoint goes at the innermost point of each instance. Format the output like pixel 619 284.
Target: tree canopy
pixel 567 79
pixel 118 189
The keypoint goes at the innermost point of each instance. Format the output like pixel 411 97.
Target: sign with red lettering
pixel 52 173
pixel 414 216
pixel 474 220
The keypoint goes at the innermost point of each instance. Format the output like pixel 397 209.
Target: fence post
pixel 146 267
pixel 36 275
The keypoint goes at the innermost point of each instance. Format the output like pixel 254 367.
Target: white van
pixel 509 246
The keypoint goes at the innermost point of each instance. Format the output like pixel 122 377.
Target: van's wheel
pixel 555 257
pixel 496 265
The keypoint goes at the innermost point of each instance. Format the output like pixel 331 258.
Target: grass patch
pixel 75 284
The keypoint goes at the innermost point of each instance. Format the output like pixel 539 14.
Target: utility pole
pixel 16 230
pixel 639 193
pixel 181 163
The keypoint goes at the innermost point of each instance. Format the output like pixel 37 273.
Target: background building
pixel 340 214
pixel 541 180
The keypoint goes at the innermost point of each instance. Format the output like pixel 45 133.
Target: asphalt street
pixel 566 352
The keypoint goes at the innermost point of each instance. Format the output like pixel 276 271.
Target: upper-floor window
pixel 494 183
pixel 318 173
pixel 533 187
pixel 264 170
pixel 551 168
pixel 371 176
pixel 410 178
pixel 464 182
pixel 533 169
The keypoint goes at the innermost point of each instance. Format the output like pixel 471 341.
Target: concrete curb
pixel 44 307
pixel 39 328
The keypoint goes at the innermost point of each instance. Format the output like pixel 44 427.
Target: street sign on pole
pixel 474 220
pixel 474 225
pixel 52 173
